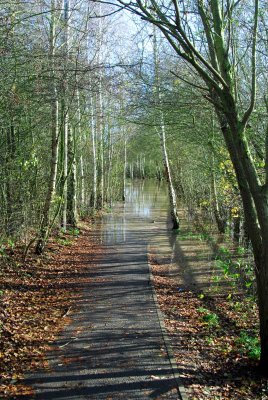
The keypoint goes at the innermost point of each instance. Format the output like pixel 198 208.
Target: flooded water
pixel 145 218
pixel 145 209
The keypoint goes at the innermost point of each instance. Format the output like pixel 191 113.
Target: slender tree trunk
pixel 100 127
pixel 162 135
pixel 52 181
pixel 221 223
pixel 83 202
pixel 109 166
pixel 94 155
pixel 124 171
pixel 100 120
pixel 10 201
pixel 44 229
pixel 81 139
pixel 72 184
pixel 65 117
pixel 171 191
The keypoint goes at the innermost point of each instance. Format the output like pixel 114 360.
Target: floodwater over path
pixel 144 212
pixel 145 217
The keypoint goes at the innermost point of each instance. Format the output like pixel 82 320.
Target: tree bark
pixel 162 136
pixel 44 229
pixel 65 114
pixel 72 183
pixel 171 191
pixel 94 155
pixel 99 131
pixel 100 120
pixel 124 171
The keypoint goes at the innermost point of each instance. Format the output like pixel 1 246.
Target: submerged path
pixel 114 348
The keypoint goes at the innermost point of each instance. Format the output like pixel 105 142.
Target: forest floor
pixel 37 298
pixel 211 320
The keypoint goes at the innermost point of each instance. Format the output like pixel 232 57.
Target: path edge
pixel 167 341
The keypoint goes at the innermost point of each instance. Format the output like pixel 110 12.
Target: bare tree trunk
pixel 162 136
pixel 131 172
pixel 108 167
pixel 65 117
pixel 124 170
pixel 83 202
pixel 10 157
pixel 221 223
pixel 94 155
pixel 99 131
pixel 44 229
pixel 171 191
pixel 100 120
pixel 80 138
pixel 72 184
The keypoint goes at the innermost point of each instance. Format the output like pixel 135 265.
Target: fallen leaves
pixel 35 303
pixel 211 361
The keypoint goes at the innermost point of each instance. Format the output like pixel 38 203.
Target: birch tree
pixel 162 137
pixel 65 113
pixel 45 223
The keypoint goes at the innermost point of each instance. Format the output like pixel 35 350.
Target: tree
pixel 162 136
pixel 45 224
pixel 182 23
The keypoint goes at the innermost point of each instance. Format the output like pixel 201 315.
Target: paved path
pixel 114 347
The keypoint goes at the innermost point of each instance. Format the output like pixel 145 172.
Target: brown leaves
pixel 34 308
pixel 208 354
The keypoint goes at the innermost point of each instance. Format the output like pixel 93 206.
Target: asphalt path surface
pixel 114 347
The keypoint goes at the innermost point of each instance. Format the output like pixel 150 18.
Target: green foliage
pixel 74 231
pixel 235 270
pixel 224 266
pixel 241 251
pixel 211 319
pixel 216 278
pixel 64 241
pixel 224 252
pixel 2 250
pixel 250 345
